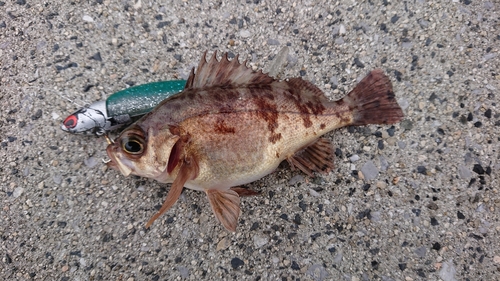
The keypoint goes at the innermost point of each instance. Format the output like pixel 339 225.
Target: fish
pixel 231 126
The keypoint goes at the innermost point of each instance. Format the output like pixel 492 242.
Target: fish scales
pixel 245 131
pixel 231 126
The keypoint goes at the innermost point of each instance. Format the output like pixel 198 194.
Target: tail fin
pixel 373 101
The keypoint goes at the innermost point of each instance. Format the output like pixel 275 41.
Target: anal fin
pixel 317 157
pixel 226 207
pixel 187 171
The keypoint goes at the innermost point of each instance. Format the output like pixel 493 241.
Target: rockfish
pixel 232 125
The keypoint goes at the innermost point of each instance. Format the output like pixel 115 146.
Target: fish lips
pixel 117 163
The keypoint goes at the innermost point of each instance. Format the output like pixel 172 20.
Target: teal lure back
pixel 141 99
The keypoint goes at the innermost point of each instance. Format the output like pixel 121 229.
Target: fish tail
pixel 373 101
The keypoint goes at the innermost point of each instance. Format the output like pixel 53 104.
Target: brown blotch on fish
pixel 267 111
pixel 274 137
pixel 232 125
pixel 223 128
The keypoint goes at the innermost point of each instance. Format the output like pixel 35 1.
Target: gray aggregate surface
pixel 415 201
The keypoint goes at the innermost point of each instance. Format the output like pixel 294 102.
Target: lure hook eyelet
pixel 108 139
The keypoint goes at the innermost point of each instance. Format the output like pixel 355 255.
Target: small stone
pixel 423 23
pixel 183 271
pixel 448 271
pixel 259 240
pixel 237 263
pixel 296 179
pixel 273 42
pixel 394 19
pixel 88 18
pixel 358 63
pixel 422 170
pixel 17 192
pixel 384 164
pixel 37 115
pixel 433 206
pixel 489 56
pixel 496 259
pixel 421 251
pixel 380 144
pixel 434 221
pixel 90 162
pixel 478 169
pixel 354 158
pixel 464 172
pixel 245 33
pixel 297 219
pixel 487 113
pixel 162 24
pixel 339 41
pixel 342 29
pixel 406 124
pixel 470 117
pixel 460 215
pixel 96 56
pixel 401 144
pixel 369 170
pixel 317 272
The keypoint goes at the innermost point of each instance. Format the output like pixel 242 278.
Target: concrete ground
pixel 415 201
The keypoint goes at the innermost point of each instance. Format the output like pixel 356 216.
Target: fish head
pixel 142 152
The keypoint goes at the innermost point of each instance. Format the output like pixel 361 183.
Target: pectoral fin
pixel 226 207
pixel 317 157
pixel 244 191
pixel 188 170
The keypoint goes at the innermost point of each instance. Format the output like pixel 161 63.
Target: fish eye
pixel 132 146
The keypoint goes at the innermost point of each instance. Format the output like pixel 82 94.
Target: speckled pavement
pixel 415 201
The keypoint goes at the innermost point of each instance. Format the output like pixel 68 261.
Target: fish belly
pixel 238 148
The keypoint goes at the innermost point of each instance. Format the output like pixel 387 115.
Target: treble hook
pixel 108 140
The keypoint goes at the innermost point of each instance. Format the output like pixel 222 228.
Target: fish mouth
pixel 115 163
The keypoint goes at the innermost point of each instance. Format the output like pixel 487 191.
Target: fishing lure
pixel 120 108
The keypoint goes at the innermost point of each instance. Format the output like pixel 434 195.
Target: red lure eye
pixel 70 121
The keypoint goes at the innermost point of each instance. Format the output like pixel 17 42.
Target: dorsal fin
pixel 306 88
pixel 225 73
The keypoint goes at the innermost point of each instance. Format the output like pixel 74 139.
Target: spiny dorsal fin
pixel 225 73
